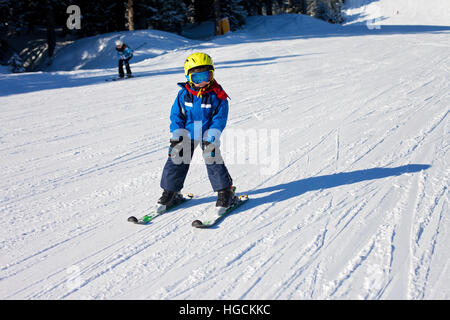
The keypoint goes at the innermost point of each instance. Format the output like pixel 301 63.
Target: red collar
pixel 214 86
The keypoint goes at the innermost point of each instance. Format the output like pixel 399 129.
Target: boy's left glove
pixel 209 148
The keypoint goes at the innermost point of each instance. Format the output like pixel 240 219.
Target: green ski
pixel 146 219
pixel 212 222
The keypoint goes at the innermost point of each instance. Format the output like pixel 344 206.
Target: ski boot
pixel 225 199
pixel 167 199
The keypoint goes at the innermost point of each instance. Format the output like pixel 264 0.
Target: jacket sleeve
pixel 128 52
pixel 218 122
pixel 177 114
pixel 125 54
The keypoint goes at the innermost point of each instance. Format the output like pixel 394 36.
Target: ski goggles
pixel 199 77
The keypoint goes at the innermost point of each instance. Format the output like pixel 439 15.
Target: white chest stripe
pixel 188 104
pixel 207 106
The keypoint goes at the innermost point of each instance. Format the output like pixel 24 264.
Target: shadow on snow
pixel 296 188
pixel 37 81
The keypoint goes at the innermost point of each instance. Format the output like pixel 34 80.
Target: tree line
pixel 50 18
pixel 102 16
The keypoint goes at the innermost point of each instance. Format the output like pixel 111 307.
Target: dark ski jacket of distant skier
pixel 124 53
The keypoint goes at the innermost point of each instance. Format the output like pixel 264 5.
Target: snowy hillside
pixel 98 52
pixel 348 188
pixel 398 12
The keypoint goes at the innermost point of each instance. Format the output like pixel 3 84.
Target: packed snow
pixel 397 12
pixel 339 135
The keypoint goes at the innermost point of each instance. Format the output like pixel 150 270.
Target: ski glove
pixel 176 147
pixel 209 150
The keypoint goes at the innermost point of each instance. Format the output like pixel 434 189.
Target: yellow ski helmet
pixel 198 59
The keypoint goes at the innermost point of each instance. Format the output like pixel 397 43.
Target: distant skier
pixel 125 54
pixel 198 116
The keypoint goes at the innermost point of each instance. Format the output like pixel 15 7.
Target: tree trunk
pixel 130 15
pixel 268 4
pixel 216 15
pixel 51 36
pixel 303 6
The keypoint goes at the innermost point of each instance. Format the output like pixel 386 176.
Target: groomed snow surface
pixel 397 12
pixel 348 185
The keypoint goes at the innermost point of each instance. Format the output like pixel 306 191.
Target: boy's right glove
pixel 176 147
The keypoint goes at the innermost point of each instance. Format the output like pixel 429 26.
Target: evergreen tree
pixel 252 7
pixel 328 10
pixel 16 64
pixel 167 15
pixel 296 6
pixel 235 11
pixel 143 11
pixel 335 11
pixel 204 10
pixel 171 16
pixel 315 8
pixel 268 6
pixel 101 16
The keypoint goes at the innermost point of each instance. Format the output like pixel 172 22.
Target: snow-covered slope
pixel 349 199
pixel 398 12
pixel 98 52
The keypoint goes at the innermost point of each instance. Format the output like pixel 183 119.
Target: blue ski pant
pixel 175 170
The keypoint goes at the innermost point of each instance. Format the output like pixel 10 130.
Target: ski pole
pixel 140 46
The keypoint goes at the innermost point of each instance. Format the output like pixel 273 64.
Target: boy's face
pixel 197 70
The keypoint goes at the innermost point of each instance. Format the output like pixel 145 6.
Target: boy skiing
pixel 198 117
pixel 125 54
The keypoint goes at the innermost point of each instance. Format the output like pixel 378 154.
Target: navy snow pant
pixel 174 173
pixel 127 67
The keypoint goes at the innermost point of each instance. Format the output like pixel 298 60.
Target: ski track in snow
pixel 328 223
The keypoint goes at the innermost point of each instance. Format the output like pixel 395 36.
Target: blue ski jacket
pixel 200 114
pixel 126 53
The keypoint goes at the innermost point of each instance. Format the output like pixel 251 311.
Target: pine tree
pixel 101 16
pixel 315 8
pixel 328 10
pixel 173 15
pixel 143 12
pixel 335 11
pixel 296 6
pixel 16 64
pixel 167 15
pixel 253 7
pixel 204 10
pixel 268 6
pixel 235 11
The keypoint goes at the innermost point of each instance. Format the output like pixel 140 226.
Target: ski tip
pixel 197 223
pixel 133 219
